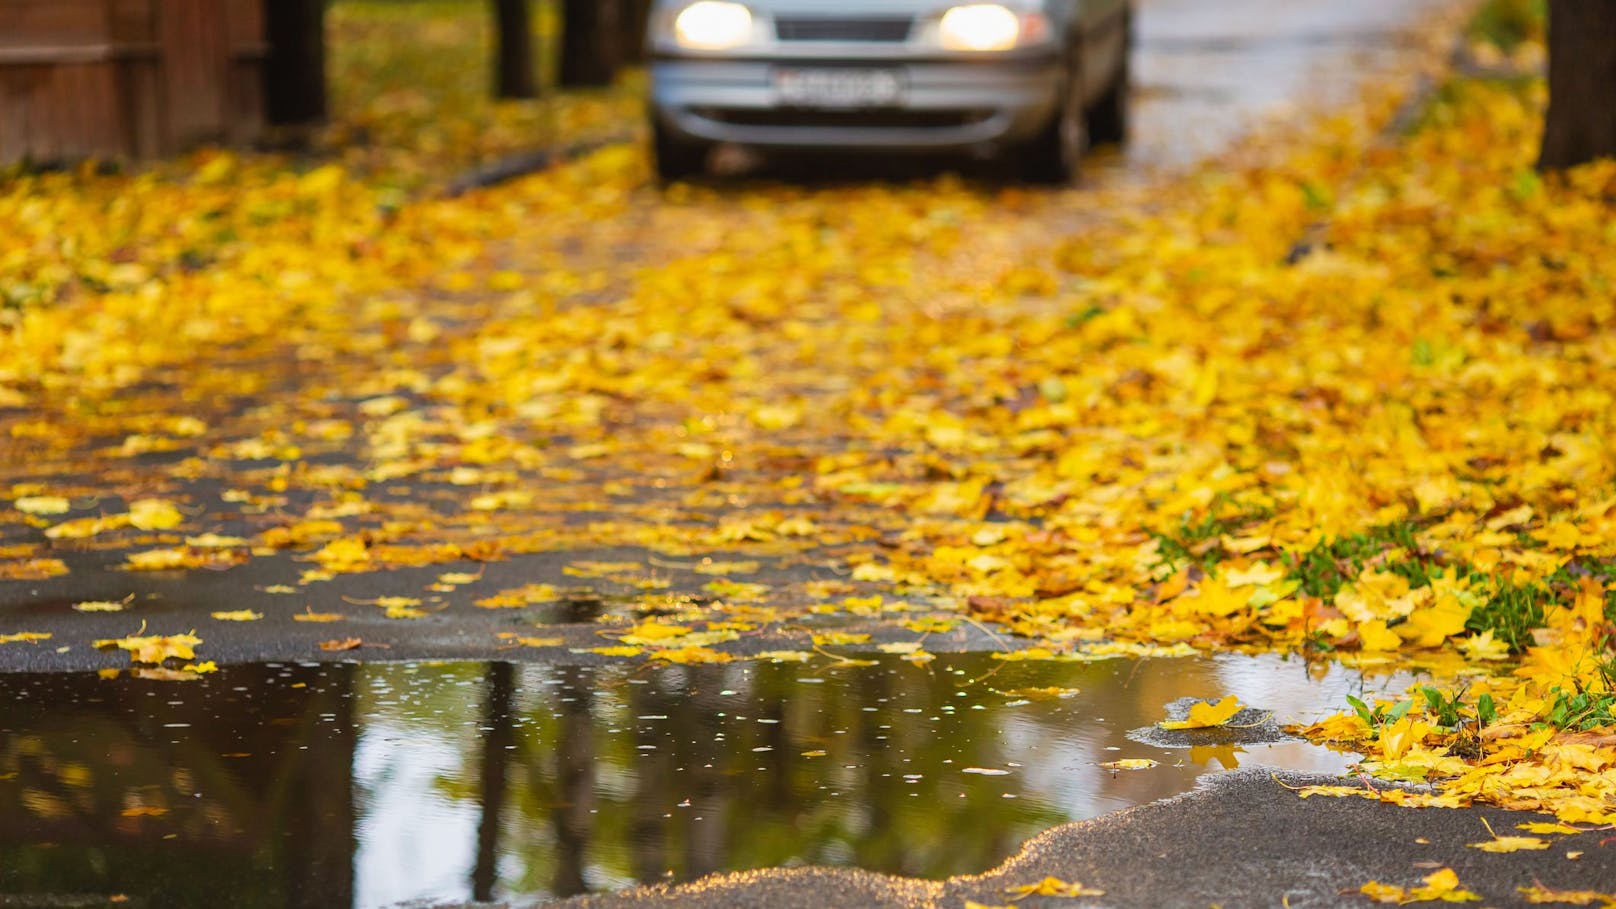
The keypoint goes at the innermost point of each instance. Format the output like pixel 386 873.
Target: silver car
pixel 1030 80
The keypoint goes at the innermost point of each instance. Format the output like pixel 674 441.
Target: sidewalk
pixel 1242 840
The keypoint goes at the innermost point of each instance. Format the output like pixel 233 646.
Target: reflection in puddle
pixel 369 785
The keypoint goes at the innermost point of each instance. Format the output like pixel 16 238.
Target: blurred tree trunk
pixel 636 14
pixel 294 73
pixel 1581 122
pixel 589 42
pixel 513 50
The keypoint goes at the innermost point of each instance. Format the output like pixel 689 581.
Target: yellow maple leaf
pixel 1052 886
pixel 1484 646
pixel 310 615
pixel 691 655
pixel 1550 827
pixel 1206 715
pixel 42 505
pixel 161 560
pixel 239 615
pixel 100 606
pixel 786 656
pixel 839 638
pixel 24 637
pixel 616 651
pixel 654 633
pixel 1373 635
pixel 154 649
pixel 1440 886
pixel 1540 895
pixel 1510 844
pixel 155 514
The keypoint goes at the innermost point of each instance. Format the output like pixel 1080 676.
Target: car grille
pixel 825 28
pixel 876 119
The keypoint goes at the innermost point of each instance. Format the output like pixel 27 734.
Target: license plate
pixel 842 88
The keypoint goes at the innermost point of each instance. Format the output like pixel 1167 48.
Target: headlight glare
pixel 980 27
pixel 713 25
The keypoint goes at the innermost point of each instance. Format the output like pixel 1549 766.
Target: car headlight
pixel 989 27
pixel 713 25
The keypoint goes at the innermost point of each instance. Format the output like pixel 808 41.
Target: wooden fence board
pixel 82 78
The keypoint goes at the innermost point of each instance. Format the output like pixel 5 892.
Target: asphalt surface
pixel 1242 840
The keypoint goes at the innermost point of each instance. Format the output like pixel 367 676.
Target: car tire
pixel 676 159
pixel 1053 157
pixel 1108 118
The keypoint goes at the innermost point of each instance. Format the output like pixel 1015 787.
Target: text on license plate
pixel 838 87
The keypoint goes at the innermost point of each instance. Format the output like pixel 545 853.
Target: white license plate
pixel 843 88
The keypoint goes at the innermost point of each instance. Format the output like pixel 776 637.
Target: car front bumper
pixel 946 105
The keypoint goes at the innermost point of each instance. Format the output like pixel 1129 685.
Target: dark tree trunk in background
pixel 1582 83
pixel 513 50
pixel 589 38
pixel 294 73
pixel 635 15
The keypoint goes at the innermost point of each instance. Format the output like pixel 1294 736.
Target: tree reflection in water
pixel 342 785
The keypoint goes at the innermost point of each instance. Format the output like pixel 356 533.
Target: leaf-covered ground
pixel 1353 400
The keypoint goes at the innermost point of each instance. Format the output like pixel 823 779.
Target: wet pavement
pixel 373 785
pixel 1208 73
pixel 355 432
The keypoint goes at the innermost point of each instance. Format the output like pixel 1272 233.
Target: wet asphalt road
pixel 1206 73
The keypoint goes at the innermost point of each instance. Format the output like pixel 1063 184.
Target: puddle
pixel 286 786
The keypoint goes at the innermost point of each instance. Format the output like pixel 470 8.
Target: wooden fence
pixel 128 78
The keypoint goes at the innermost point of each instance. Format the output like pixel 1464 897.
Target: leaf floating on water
pixel 1045 693
pixel 786 656
pixel 985 771
pixel 1131 764
pixel 686 655
pixel 342 645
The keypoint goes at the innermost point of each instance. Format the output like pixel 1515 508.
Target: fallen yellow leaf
pixel 1206 715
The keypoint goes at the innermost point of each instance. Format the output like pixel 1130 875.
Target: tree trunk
pixel 589 33
pixel 1582 83
pixel 513 50
pixel 294 72
pixel 636 14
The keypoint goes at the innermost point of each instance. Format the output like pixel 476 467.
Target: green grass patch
pixel 1196 539
pixel 1326 568
pixel 1512 614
